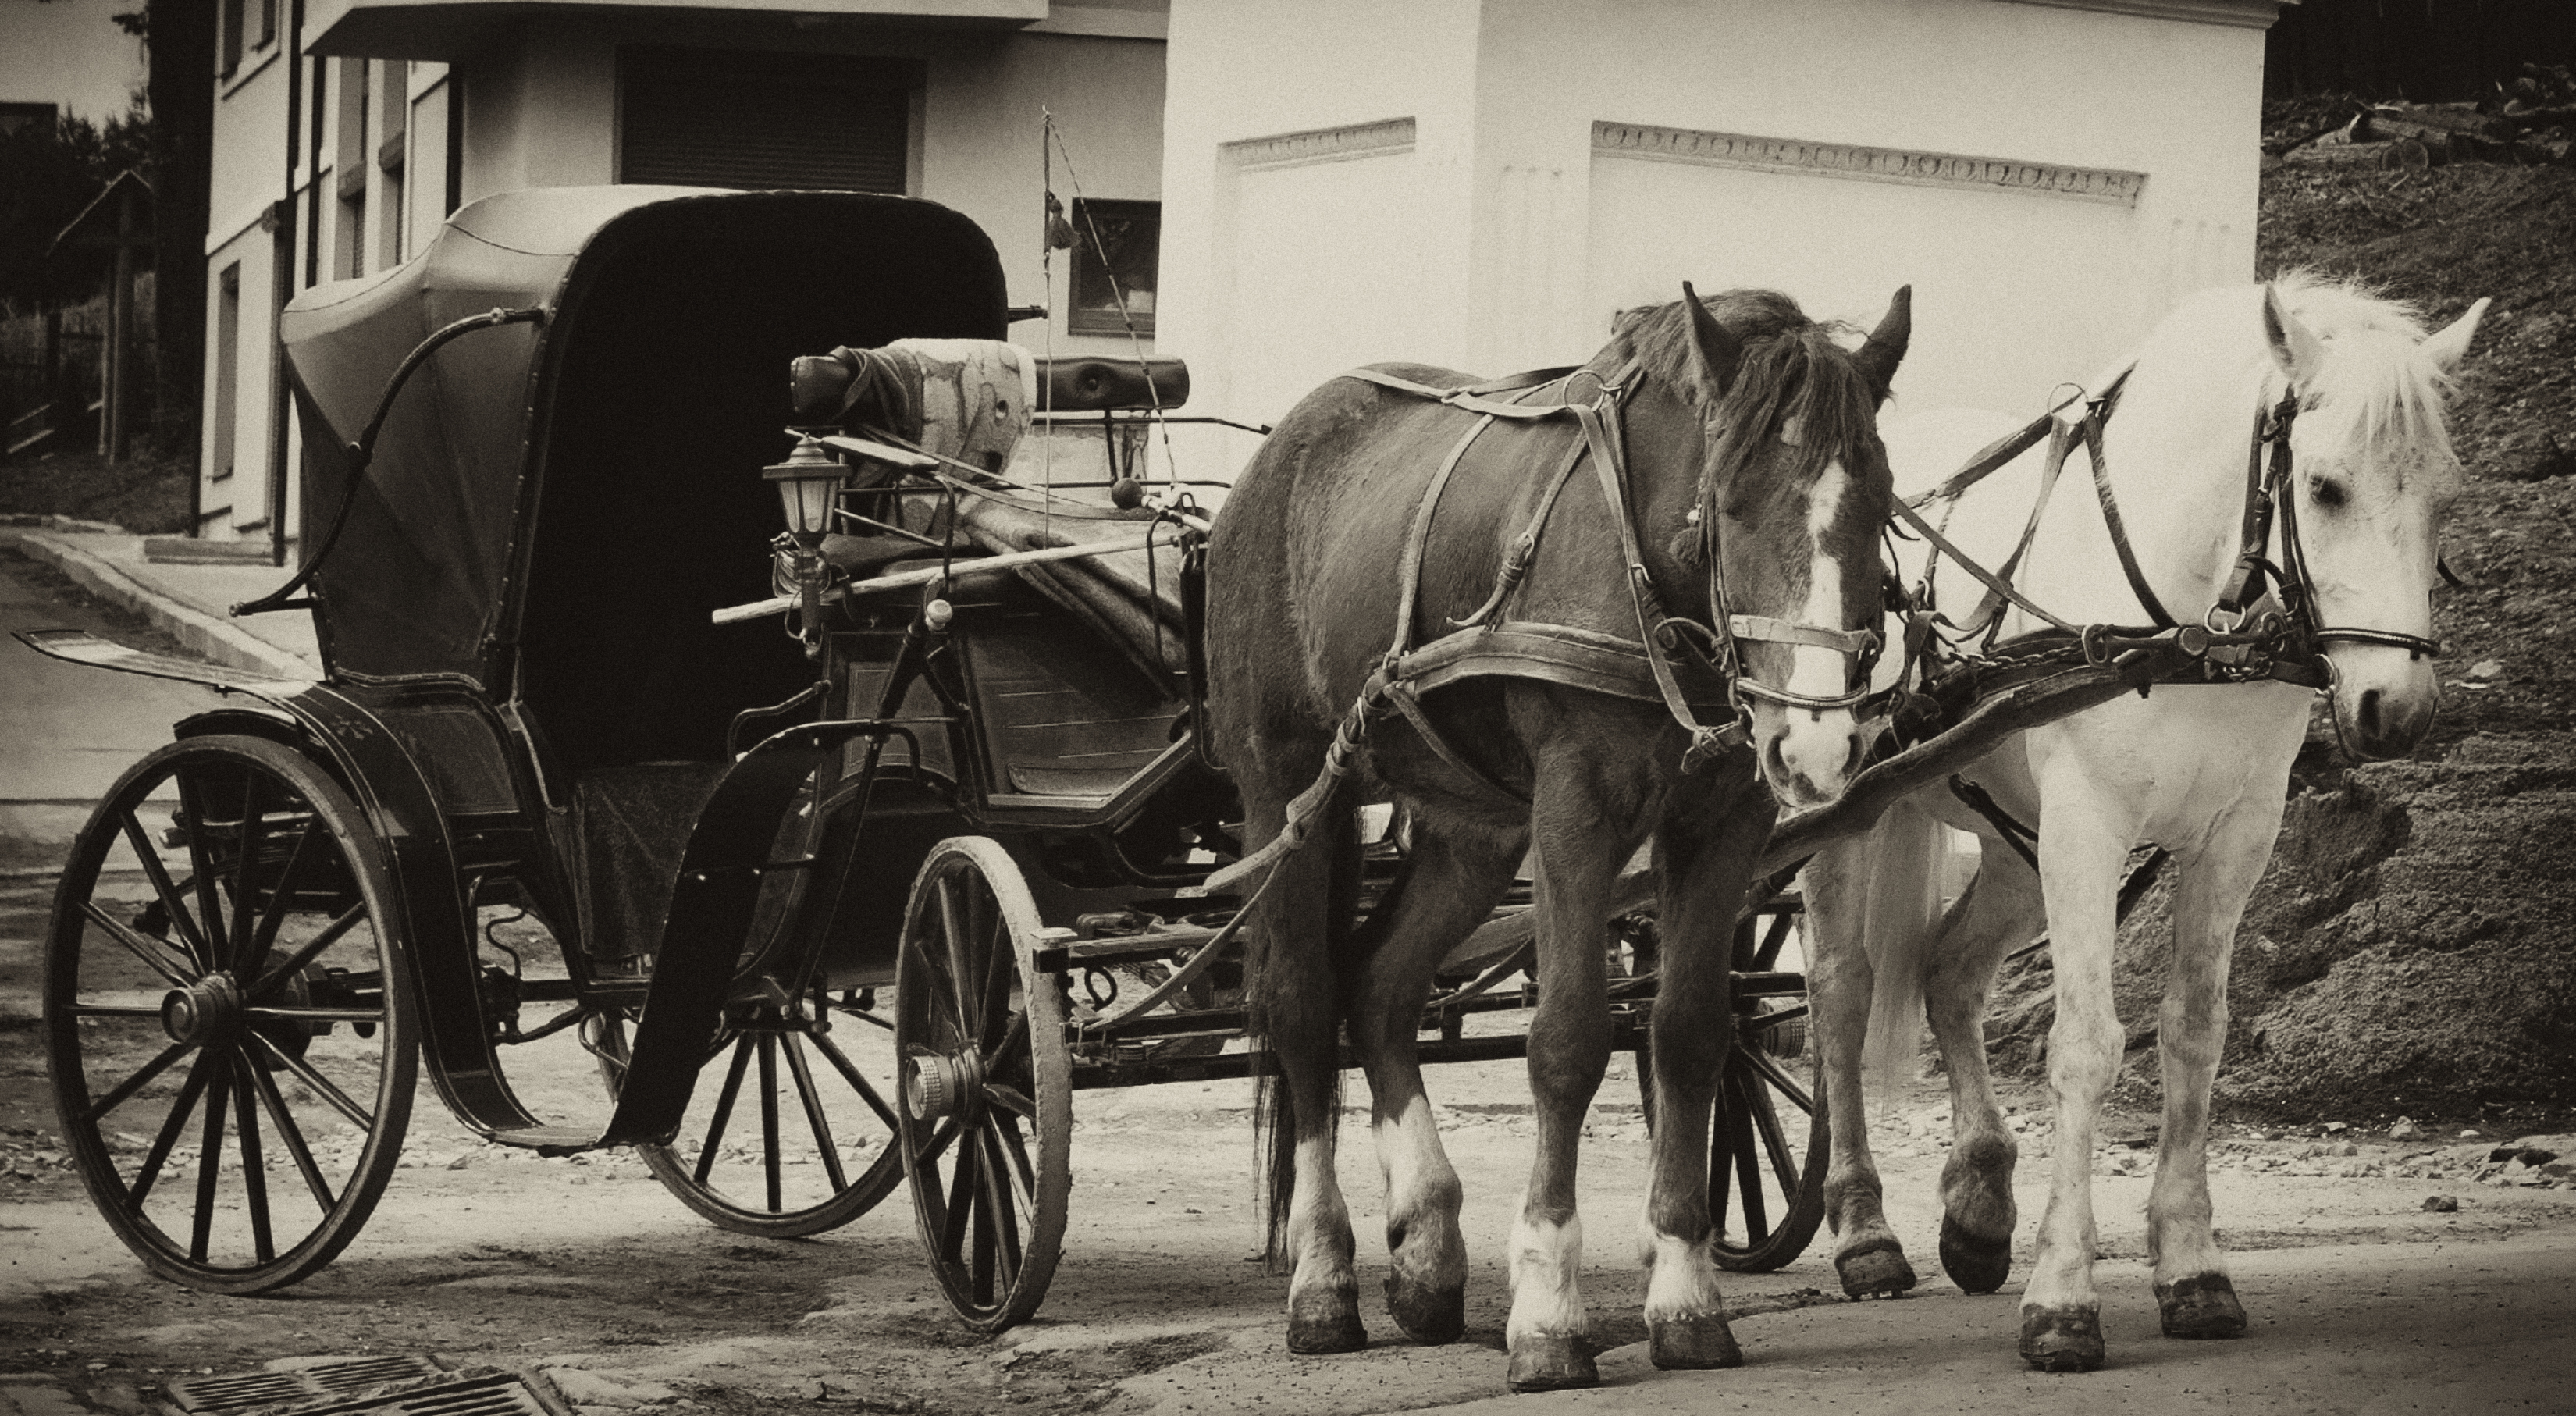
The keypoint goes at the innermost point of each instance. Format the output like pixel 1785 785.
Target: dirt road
pixel 485 1254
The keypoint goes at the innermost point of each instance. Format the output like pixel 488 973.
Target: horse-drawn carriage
pixel 866 902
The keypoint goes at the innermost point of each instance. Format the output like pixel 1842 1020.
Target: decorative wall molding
pixel 1384 138
pixel 1866 164
pixel 2247 14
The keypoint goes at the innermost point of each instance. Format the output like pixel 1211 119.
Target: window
pixel 755 119
pixel 228 38
pixel 391 150
pixel 1116 246
pixel 227 367
pixel 350 170
pixel 264 33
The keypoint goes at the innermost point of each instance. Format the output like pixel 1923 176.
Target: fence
pixel 52 373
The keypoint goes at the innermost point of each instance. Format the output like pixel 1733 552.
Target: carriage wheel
pixel 798 1136
pixel 1768 1144
pixel 986 1114
pixel 233 1047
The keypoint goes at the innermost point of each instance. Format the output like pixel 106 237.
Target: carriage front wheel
pixel 985 1108
pixel 232 1039
pixel 1768 1144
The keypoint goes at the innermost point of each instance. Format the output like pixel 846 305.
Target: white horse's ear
pixel 2447 346
pixel 2295 347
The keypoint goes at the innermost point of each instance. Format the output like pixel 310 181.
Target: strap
pixel 1779 631
pixel 1409 570
pixel 1707 743
pixel 2092 432
pixel 1988 616
pixel 1470 398
pixel 1524 552
pixel 1407 698
pixel 1946 547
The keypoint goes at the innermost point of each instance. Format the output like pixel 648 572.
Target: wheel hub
pixel 204 1011
pixel 944 1084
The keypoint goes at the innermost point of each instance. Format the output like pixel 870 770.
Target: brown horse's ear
pixel 1879 355
pixel 1719 351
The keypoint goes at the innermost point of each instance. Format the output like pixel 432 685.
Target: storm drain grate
pixel 254 1389
pixel 395 1386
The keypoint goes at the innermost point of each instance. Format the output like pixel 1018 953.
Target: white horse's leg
pixel 1451 881
pixel 2084 843
pixel 2193 1294
pixel 2000 911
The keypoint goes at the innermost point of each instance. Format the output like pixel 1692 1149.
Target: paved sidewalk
pixel 192 603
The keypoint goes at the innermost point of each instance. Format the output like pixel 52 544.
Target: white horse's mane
pixel 2377 392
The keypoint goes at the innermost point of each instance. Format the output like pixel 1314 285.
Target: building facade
pixel 337 154
pixel 1481 183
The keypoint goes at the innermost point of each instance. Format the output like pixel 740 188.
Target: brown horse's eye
pixel 2326 492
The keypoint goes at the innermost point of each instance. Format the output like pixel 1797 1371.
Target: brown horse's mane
pixel 1791 368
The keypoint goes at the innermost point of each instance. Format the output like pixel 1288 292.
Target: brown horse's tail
pixel 1302 964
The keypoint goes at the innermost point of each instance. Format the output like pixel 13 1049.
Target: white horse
pixel 2201 770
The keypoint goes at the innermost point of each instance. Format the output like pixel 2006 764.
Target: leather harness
pixel 1688 666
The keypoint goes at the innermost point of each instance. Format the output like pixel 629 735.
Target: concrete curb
pixel 214 638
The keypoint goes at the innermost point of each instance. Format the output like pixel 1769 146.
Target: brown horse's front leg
pixel 1580 848
pixel 1704 850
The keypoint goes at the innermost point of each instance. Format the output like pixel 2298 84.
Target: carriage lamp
pixel 809 491
pixel 809 488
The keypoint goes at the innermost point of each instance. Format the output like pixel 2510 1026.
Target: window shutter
pixel 754 119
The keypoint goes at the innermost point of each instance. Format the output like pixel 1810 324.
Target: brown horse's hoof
pixel 1326 1322
pixel 1694 1342
pixel 1552 1362
pixel 2061 1339
pixel 1976 1264
pixel 1430 1316
pixel 2203 1305
pixel 1878 1271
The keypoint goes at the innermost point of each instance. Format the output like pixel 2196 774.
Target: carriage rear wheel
pixel 986 1109
pixel 1768 1142
pixel 797 1137
pixel 233 1044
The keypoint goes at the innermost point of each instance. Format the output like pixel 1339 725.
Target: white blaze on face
pixel 1819 672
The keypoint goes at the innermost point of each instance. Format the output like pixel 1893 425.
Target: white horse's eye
pixel 2326 492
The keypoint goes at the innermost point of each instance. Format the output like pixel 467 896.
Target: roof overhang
pixel 444 31
pixel 2246 14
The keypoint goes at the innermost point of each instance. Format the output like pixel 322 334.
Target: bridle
pixel 2271 488
pixel 1665 634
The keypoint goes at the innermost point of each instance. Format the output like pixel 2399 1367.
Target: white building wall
pixel 2120 174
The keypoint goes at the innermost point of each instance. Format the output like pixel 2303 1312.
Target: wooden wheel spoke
pixel 315 1015
pixel 142 946
pixel 769 1157
pixel 322 1086
pixel 995 1010
pixel 192 807
pixel 1766 954
pixel 293 1136
pixel 940 1019
pixel 1011 1099
pixel 1005 1223
pixel 281 891
pixel 210 1157
pixel 953 935
pixel 961 1181
pixel 1748 1173
pixel 706 1162
pixel 307 952
pixel 1779 1078
pixel 171 900
pixel 254 1166
pixel 1024 1176
pixel 245 859
pixel 168 1136
pixel 841 1063
pixel 142 1075
pixel 806 1092
pixel 1775 1141
pixel 981 1214
pixel 1013 1037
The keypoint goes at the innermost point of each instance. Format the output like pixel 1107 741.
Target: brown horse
pixel 1753 490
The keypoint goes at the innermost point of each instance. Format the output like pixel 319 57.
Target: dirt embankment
pixel 2412 949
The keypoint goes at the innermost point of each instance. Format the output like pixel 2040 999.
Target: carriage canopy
pixel 553 507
